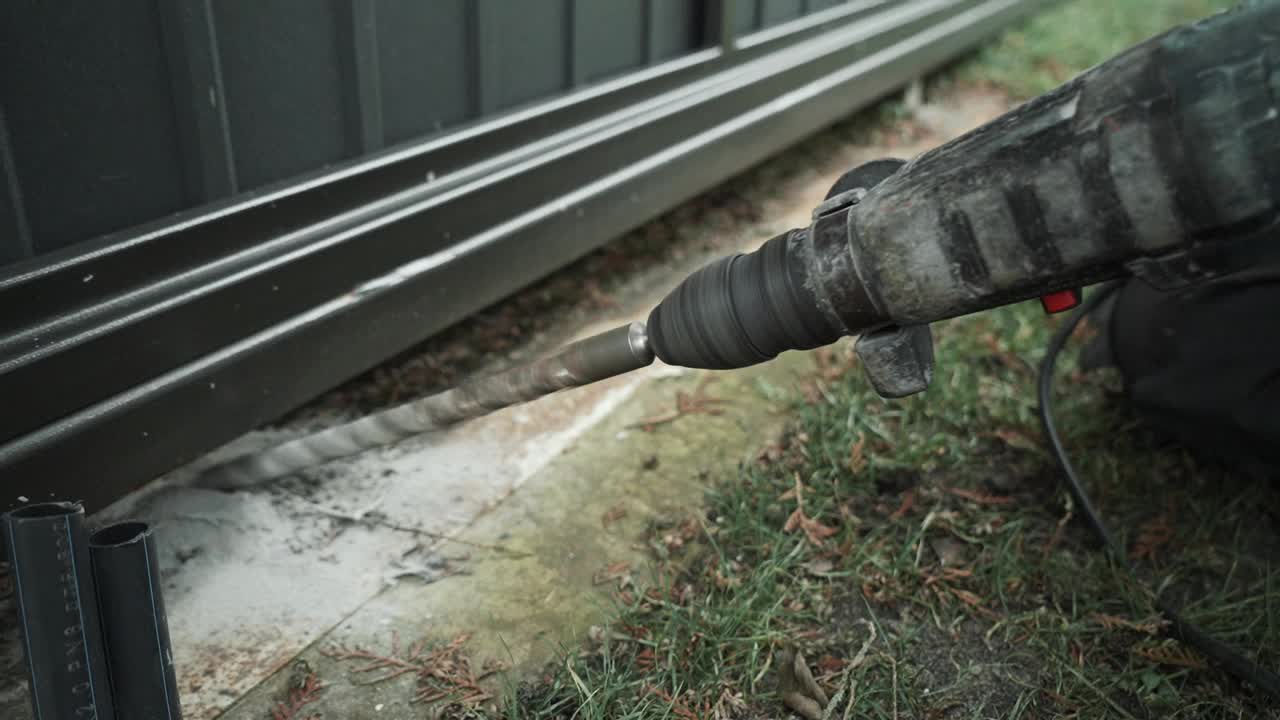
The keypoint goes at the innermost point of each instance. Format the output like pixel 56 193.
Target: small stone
pixel 950 552
pixel 378 707
pixel 820 566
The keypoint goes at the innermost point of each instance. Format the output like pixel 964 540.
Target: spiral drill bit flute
pixel 590 360
pixel 1161 163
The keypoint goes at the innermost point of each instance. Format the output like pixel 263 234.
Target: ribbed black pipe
pixel 58 612
pixel 139 656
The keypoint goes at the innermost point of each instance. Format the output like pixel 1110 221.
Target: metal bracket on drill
pixel 898 361
pixel 840 201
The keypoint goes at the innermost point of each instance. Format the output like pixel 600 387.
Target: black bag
pixel 1202 363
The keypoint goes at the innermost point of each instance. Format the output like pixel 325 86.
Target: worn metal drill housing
pixel 1162 162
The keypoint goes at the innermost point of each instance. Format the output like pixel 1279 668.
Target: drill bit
pixel 584 362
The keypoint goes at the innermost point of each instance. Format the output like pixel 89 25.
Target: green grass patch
pixel 1071 37
pixel 923 556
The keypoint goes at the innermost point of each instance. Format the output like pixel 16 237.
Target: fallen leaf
pixel 725 582
pixel 771 453
pixel 829 664
pixel 980 497
pixel 1114 622
pixel 908 501
pixel 645 659
pixel 1057 535
pixel 797 686
pixel 1172 654
pixel 303 694
pixel 730 705
pixel 689 528
pixel 967 597
pixel 613 515
pixel 1018 439
pixel 696 403
pixel 814 530
pixel 1152 536
pixel 613 571
pixel 948 575
pixel 678 707
pixel 857 462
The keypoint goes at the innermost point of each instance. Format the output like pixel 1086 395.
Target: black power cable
pixel 1226 656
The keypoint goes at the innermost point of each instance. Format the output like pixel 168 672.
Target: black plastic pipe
pixel 58 612
pixel 127 574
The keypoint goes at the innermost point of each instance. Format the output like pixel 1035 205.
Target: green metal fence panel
pixel 674 28
pixel 13 223
pixel 426 66
pixel 286 93
pixel 116 114
pixel 93 145
pixel 609 38
pixel 776 12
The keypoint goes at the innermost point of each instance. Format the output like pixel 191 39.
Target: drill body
pixel 1163 162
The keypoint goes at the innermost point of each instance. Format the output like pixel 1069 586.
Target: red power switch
pixel 1060 301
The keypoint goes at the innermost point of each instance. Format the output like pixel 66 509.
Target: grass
pixel 923 556
pixel 939 522
pixel 1056 45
